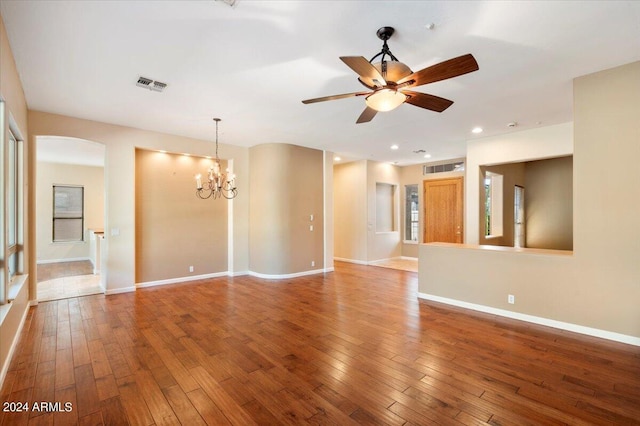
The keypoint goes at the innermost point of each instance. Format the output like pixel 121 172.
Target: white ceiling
pixel 252 65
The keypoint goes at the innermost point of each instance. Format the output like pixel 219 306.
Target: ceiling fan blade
pixel 367 115
pixel 367 72
pixel 452 68
pixel 423 100
pixel 334 97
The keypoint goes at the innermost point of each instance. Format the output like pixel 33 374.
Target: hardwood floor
pixel 352 346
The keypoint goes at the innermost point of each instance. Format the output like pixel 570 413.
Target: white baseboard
pixel 609 335
pixel 358 262
pixel 285 276
pixel 181 279
pixel 12 348
pixel 373 262
pixel 111 291
pixel 71 259
pixel 215 275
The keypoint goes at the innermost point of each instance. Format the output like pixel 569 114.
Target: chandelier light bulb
pixel 218 184
pixel 385 100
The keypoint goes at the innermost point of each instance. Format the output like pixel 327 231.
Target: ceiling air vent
pixel 147 83
pixel 158 86
pixel 458 166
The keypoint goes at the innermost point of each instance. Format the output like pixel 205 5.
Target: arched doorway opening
pixel 70 211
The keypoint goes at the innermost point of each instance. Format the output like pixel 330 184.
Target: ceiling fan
pixel 389 81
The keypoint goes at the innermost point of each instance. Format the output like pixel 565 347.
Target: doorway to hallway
pixel 70 211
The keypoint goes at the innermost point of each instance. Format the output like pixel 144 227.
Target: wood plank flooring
pixel 350 347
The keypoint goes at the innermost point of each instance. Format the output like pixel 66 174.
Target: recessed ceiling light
pixel 394 147
pixel 427 156
pixel 337 158
pixel 476 130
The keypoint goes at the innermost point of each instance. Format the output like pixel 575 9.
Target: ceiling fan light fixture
pixel 385 100
pixel 391 82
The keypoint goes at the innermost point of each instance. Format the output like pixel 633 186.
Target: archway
pixel 70 212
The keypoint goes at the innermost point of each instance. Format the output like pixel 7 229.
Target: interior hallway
pixel 67 279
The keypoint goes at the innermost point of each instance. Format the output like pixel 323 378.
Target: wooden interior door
pixel 443 209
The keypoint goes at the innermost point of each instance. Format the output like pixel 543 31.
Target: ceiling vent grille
pixel 442 168
pixel 147 83
pixel 159 86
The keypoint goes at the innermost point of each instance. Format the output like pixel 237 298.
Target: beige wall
pixel 350 213
pixel 287 188
pixel 120 143
pixel 15 113
pixel 329 220
pixel 596 288
pixel 174 228
pixel 549 203
pixel 356 238
pixel 92 179
pixel 606 207
pixel 10 84
pixel 382 245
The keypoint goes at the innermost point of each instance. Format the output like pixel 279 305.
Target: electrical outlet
pixel 190 268
pixel 511 299
pixel 310 227
pixel 313 263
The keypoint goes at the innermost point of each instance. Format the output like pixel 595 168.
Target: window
pixel 493 204
pixel 11 217
pixel 12 207
pixel 411 213
pixel 68 213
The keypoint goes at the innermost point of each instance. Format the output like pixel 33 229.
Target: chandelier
pixel 218 184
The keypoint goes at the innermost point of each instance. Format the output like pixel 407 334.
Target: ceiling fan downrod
pixel 384 34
